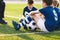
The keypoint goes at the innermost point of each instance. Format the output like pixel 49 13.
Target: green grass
pixel 16 10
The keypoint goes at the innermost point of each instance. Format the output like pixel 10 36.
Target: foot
pixel 25 27
pixel 16 25
pixel 3 22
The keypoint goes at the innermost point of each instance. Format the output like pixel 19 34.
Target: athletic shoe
pixel 16 25
pixel 3 22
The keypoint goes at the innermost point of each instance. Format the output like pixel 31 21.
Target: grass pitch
pixel 15 10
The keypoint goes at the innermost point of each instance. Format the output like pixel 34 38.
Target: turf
pixel 16 10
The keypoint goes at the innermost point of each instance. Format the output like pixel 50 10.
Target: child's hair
pixel 58 5
pixel 48 2
pixel 55 3
pixel 30 1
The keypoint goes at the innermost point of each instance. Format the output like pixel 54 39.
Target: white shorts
pixel 41 25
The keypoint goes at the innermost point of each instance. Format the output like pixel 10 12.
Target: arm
pixel 39 15
pixel 34 12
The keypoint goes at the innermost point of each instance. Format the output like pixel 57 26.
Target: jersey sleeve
pixel 35 9
pixel 43 11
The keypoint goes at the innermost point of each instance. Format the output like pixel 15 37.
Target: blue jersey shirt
pixel 27 10
pixel 51 17
pixel 58 12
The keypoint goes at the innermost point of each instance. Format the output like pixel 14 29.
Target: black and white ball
pixel 32 25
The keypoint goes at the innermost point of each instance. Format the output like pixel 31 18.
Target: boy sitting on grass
pixel 27 19
pixel 47 17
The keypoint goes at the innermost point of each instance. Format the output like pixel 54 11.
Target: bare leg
pixel 36 17
pixel 39 19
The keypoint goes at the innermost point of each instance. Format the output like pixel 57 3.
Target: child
pixel 26 19
pixel 50 19
pixel 55 4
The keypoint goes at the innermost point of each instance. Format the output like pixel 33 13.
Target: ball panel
pixel 32 25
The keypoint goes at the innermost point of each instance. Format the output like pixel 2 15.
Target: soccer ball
pixel 31 25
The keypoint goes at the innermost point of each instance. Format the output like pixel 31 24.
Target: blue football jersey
pixel 51 17
pixel 58 12
pixel 26 10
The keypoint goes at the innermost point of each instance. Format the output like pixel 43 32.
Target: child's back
pixel 51 17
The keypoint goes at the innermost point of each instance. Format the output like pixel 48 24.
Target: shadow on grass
pixel 25 37
pixel 7 29
pixel 51 35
